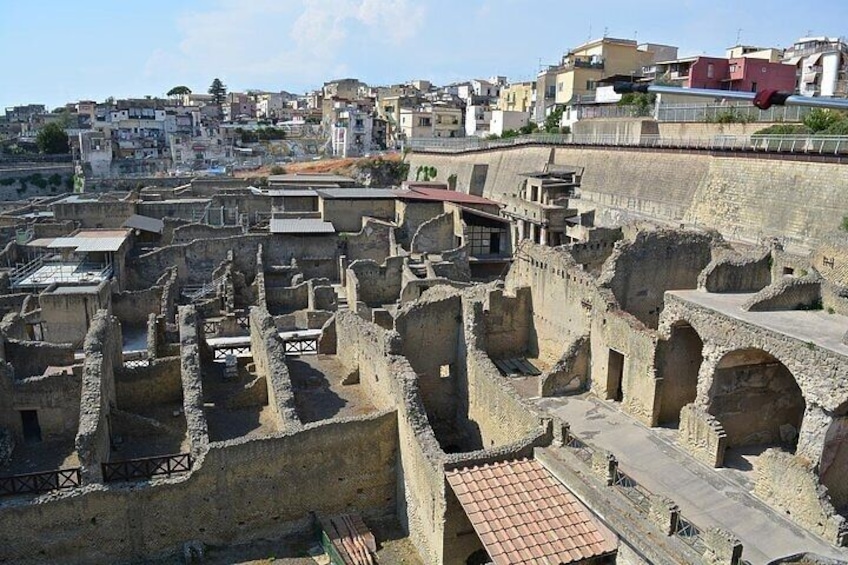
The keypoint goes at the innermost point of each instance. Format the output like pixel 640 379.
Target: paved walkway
pixel 707 497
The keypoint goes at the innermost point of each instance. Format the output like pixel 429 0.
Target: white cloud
pixel 256 41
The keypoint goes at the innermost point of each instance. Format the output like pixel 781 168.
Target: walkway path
pixel 707 497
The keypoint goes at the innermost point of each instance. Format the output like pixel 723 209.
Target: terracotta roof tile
pixel 522 514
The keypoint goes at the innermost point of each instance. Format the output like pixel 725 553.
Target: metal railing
pixel 716 113
pixel 146 467
pixel 194 294
pixel 300 346
pixel 796 144
pixel 34 483
pixel 640 496
pixel 136 359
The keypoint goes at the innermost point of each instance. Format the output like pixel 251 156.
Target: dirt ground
pixel 335 166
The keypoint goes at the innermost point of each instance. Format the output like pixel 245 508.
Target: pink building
pixel 739 73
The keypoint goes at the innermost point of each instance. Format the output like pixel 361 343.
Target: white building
pixel 477 119
pixel 822 66
pixel 352 132
pixel 503 120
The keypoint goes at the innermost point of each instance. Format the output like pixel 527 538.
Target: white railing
pixel 799 144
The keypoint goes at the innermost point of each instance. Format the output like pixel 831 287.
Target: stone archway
pixel 680 359
pixel 757 401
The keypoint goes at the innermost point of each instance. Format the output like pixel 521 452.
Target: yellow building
pixel 517 97
pixel 585 65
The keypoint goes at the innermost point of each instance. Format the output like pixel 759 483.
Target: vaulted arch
pixel 679 359
pixel 757 400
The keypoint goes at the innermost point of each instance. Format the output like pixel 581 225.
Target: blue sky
pixel 53 51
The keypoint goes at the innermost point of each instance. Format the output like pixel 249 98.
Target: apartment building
pixel 821 66
pixel 582 67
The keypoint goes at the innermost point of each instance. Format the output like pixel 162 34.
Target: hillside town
pixel 218 131
pixel 599 317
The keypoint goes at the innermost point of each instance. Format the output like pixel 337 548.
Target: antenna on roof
pixel 590 31
pixel 605 32
pixel 738 36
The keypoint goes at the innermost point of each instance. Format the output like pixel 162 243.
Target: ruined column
pixel 543 235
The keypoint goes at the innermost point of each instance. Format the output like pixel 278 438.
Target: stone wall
pixel 240 491
pixel 372 352
pixel 346 214
pixel 55 397
pixel 488 406
pixel 374 284
pixel 571 372
pixel 287 299
pixel 736 273
pixel 789 484
pixel 31 358
pixel 787 294
pixel 95 213
pixel 411 214
pixel 102 351
pixel 190 232
pixel 434 235
pixel 562 295
pixel 639 272
pixel 137 389
pixel 29 181
pixel 375 241
pixel 192 348
pixel 133 307
pixel 724 193
pixel 269 355
pixel 508 323
pixel 430 330
pixel 66 314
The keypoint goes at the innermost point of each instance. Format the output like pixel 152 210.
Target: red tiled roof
pixel 442 195
pixel 523 514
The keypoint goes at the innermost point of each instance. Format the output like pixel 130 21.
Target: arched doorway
pixel 835 459
pixel 680 360
pixel 757 401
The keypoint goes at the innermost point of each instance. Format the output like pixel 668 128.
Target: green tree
pixel 179 91
pixel 218 91
pixel 530 127
pixel 52 139
pixel 639 101
pixel 820 120
pixel 553 120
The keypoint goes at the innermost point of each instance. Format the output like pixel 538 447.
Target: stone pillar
pixel 543 236
pixel 605 464
pixel 520 230
pixel 722 547
pixel 813 432
pixel 664 513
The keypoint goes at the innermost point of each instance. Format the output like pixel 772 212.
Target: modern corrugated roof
pixel 91 241
pixel 284 192
pixel 145 223
pixel 442 195
pixel 301 226
pixel 523 514
pixel 355 193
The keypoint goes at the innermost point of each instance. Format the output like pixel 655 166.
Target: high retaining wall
pixel 741 196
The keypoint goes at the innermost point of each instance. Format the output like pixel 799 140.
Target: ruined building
pixel 576 356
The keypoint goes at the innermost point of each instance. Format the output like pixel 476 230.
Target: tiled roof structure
pixel 522 514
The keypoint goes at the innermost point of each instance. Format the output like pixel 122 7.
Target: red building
pixel 738 73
